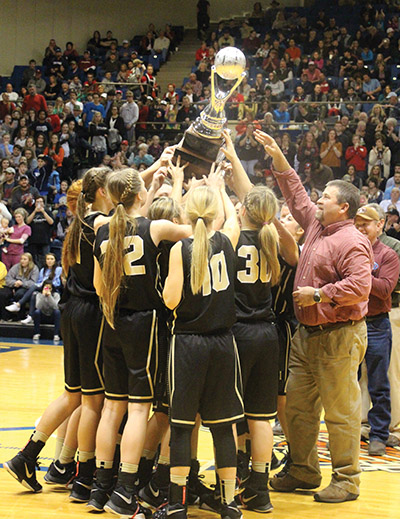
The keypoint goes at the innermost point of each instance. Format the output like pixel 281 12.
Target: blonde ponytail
pixel 200 252
pixel 261 206
pixel 268 237
pixel 201 210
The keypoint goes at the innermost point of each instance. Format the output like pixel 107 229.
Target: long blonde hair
pixel 261 206
pixel 201 209
pixel 79 196
pixel 25 272
pixel 123 187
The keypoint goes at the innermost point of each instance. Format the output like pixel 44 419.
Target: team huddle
pixel 178 305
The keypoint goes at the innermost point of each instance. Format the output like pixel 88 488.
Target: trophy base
pixel 199 152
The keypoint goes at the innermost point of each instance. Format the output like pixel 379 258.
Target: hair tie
pixel 266 223
pixel 121 203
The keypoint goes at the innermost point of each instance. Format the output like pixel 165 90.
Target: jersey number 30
pixel 256 265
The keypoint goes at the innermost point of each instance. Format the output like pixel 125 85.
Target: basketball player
pixel 257 268
pixel 200 290
pixel 81 332
pixel 284 315
pixel 125 278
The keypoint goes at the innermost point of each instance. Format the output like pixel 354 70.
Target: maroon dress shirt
pixel 385 274
pixel 337 259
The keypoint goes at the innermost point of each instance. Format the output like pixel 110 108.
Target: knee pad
pixel 225 447
pixel 180 455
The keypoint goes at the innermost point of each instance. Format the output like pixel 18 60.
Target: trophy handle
pixel 218 103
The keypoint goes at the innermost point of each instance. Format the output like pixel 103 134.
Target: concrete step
pixel 180 63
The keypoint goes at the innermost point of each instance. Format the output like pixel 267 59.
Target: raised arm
pixel 289 182
pixel 240 184
pixel 288 248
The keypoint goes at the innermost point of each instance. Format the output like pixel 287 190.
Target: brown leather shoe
pixel 334 494
pixel 289 483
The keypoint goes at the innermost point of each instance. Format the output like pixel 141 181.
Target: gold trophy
pixel 202 140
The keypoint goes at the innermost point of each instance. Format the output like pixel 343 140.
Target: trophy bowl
pixel 230 63
pixel 201 143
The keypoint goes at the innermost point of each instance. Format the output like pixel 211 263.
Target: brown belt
pixel 330 326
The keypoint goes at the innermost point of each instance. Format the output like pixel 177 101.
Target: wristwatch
pixel 317 296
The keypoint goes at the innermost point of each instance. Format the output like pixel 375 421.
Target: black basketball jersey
pixel 213 309
pixel 253 297
pixel 163 261
pixel 282 293
pixel 139 285
pixel 80 275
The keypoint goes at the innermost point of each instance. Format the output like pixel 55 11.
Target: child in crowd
pixel 5 231
pixel 47 310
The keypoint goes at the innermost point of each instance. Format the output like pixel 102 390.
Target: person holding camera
pixel 41 223
pixel 47 310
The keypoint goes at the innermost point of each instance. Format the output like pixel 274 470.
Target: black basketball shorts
pixel 131 356
pixel 286 330
pixel 259 357
pixel 81 330
pixel 204 377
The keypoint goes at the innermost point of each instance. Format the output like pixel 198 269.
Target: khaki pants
pixel 323 374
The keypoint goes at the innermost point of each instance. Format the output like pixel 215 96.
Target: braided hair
pixel 123 187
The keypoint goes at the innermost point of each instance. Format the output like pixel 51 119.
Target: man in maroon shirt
pixel 385 274
pixel 33 100
pixel 332 285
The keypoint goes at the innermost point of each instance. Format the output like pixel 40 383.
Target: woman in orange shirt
pixel 331 154
pixel 55 151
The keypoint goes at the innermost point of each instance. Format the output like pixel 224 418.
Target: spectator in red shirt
pixel 91 86
pixel 53 119
pixel 369 221
pixel 356 155
pixel 6 107
pixel 251 44
pixel 313 73
pixel 87 63
pixel 293 52
pixel 33 101
pixel 202 52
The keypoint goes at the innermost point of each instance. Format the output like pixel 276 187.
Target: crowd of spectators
pixel 325 91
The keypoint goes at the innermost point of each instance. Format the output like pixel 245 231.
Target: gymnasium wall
pixel 27 25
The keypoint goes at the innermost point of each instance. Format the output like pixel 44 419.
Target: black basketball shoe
pixel 59 474
pixel 23 469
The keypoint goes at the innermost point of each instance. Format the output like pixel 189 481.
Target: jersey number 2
pixel 134 247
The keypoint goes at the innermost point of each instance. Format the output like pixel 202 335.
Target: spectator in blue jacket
pixel 281 114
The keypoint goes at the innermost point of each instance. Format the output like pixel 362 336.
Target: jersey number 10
pixel 216 275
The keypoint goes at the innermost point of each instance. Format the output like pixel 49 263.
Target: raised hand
pixel 176 170
pixel 271 147
pixel 229 149
pixel 167 155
